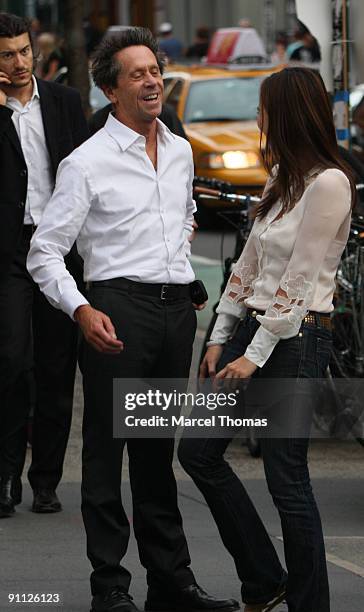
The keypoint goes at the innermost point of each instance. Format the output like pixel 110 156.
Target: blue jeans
pixel 285 462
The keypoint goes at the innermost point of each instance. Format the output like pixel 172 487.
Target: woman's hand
pixel 240 368
pixel 209 362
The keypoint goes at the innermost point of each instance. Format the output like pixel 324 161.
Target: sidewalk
pixel 46 553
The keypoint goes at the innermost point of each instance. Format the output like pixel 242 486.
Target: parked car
pixel 218 107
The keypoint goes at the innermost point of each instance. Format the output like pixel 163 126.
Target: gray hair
pixel 105 69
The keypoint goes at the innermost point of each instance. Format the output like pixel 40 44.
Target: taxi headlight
pixel 231 160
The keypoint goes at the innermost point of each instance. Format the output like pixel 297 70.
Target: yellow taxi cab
pixel 217 106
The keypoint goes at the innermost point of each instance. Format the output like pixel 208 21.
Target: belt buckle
pixel 164 289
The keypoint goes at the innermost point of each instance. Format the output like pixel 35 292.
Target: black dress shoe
pixel 46 501
pixel 115 600
pixel 189 599
pixel 6 501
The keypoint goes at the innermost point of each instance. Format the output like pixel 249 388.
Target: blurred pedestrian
pixel 131 211
pixel 35 28
pixel 200 45
pixel 244 22
pixel 279 55
pixel 40 123
pixel 305 47
pixel 169 44
pixel 53 68
pixel 278 300
pixel 46 44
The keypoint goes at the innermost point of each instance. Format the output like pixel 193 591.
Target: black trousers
pixel 158 337
pixel 34 334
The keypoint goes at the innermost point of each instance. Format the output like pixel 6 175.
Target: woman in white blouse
pixel 274 323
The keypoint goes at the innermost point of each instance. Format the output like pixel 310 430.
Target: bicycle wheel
pixel 345 361
pixel 346 364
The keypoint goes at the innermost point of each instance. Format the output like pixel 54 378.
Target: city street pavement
pixel 46 553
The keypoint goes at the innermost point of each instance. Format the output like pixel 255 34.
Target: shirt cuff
pixel 70 301
pixel 261 347
pixel 223 328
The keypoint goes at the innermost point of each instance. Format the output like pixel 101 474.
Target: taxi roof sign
pixel 238 45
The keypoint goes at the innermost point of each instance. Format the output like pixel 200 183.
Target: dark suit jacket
pixel 65 129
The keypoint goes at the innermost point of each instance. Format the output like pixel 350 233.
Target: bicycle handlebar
pixel 222 193
pixel 214 194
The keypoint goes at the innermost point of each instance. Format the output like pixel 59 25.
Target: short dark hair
pixel 105 70
pixel 12 26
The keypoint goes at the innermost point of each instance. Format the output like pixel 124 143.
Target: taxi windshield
pixel 229 99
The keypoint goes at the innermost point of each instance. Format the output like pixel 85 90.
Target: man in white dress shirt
pixel 126 196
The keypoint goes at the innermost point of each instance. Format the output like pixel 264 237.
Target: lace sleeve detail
pixel 239 286
pixel 291 302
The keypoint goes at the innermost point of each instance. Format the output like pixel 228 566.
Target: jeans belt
pixel 163 291
pixel 319 319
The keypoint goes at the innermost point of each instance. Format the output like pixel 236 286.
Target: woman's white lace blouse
pixel 288 265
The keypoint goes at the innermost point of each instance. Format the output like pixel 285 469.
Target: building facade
pixel 267 16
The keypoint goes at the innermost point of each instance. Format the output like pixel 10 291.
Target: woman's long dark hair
pixel 300 127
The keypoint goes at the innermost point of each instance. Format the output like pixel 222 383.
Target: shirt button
pixel 23 172
pixel 21 205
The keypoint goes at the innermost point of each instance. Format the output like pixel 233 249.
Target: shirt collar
pixel 35 88
pixel 164 132
pixel 125 136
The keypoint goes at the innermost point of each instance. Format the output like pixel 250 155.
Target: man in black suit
pixel 40 124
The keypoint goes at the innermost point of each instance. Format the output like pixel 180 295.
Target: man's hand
pixel 240 368
pixel 209 362
pixel 199 306
pixel 98 330
pixel 4 80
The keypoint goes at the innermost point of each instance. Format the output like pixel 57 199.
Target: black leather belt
pixel 319 319
pixel 159 290
pixel 28 230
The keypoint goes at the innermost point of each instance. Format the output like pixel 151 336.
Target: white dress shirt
pixel 288 265
pixel 129 219
pixel 28 123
